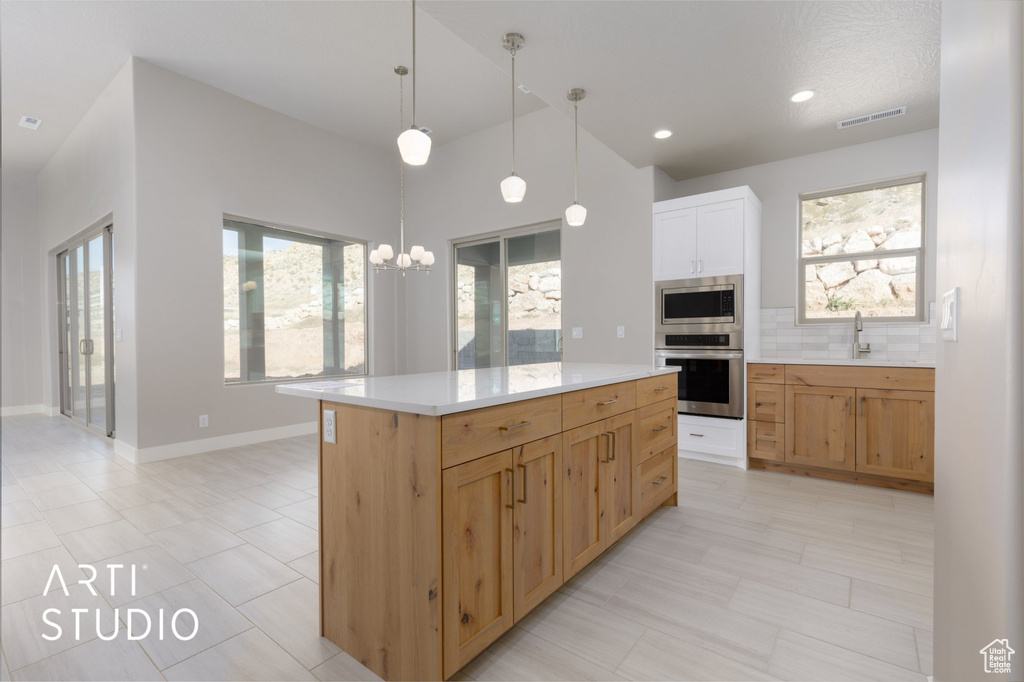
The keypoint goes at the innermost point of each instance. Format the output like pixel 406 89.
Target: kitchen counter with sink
pixel 844 362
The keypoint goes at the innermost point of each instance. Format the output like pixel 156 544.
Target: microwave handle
pixel 683 355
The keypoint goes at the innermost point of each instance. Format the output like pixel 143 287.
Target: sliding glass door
pixel 85 286
pixel 508 299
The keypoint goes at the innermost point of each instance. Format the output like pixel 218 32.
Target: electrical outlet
pixel 204 421
pixel 620 332
pixel 120 335
pixel 330 427
pixel 577 332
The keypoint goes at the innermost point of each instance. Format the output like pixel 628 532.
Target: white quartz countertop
pixel 846 362
pixel 439 393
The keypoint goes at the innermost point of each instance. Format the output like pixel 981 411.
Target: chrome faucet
pixel 858 327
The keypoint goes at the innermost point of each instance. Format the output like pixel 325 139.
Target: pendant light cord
pixel 413 63
pixel 576 152
pixel 401 165
pixel 513 51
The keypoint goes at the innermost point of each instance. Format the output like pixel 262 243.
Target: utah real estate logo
pixel 997 655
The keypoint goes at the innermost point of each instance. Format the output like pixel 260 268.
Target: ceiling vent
pixel 871 118
pixel 30 122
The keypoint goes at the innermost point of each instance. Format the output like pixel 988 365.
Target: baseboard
pixel 195 447
pixel 18 410
pixel 714 459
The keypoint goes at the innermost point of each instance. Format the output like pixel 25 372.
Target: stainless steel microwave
pixel 700 305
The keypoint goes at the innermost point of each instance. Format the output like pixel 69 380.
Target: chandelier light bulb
pixel 576 214
pixel 385 252
pixel 414 145
pixel 416 253
pixel 513 189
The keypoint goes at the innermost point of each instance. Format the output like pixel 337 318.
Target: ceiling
pixel 717 72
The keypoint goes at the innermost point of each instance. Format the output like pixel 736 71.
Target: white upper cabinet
pixel 701 236
pixel 675 244
pixel 720 239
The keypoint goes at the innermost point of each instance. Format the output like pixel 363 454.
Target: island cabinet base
pixel 438 534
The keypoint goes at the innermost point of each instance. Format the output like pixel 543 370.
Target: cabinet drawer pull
pixel 660 480
pixel 510 485
pixel 770 442
pixel 764 374
pixel 609 402
pixel 514 427
pixel 659 389
pixel 759 404
pixel 523 498
pixel 660 428
pixel 697 435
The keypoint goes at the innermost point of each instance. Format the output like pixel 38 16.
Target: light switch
pixel 119 336
pixel 577 332
pixel 620 332
pixel 950 314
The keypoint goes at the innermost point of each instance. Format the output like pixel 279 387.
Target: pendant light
pixel 414 144
pixel 513 188
pixel 576 215
pixel 417 258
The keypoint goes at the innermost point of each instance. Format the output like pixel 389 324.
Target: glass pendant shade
pixel 385 252
pixel 428 258
pixel 513 189
pixel 404 260
pixel 414 145
pixel 416 253
pixel 375 257
pixel 576 214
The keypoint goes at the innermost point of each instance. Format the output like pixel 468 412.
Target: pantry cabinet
pixel 867 424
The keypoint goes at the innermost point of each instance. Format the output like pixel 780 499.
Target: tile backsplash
pixel 782 338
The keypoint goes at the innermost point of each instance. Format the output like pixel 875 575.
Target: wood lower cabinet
pixel 820 427
pixel 619 484
pixel 896 433
pixel 477 556
pixel 537 524
pixel 871 425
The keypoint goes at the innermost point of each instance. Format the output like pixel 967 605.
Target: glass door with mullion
pixel 87 370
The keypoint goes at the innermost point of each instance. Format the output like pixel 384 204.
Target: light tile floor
pixel 754 576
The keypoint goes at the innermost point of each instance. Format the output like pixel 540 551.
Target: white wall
pixel 606 263
pixel 979 513
pixel 779 184
pixel 21 323
pixel 203 153
pixel 92 176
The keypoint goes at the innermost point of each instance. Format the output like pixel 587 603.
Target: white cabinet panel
pixel 720 239
pixel 675 244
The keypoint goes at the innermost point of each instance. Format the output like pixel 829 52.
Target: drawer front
pixel 766 374
pixel 655 389
pixel 766 440
pixel 657 428
pixel 657 480
pixel 766 402
pixel 701 435
pixel 593 404
pixel 882 378
pixel 468 435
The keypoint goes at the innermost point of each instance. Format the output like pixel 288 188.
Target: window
pixel 508 299
pixel 294 304
pixel 862 249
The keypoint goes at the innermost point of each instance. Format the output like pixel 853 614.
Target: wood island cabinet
pixel 872 425
pixel 445 546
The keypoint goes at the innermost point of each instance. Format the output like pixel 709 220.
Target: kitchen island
pixel 453 503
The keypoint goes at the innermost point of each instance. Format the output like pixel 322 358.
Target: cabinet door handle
pixel 862 400
pixel 697 435
pixel 510 487
pixel 660 480
pixel 700 265
pixel 691 267
pixel 514 427
pixel 523 498
pixel 607 448
pixel 609 402
pixel 759 404
pixel 659 389
pixel 849 407
pixel 659 429
pixel 611 442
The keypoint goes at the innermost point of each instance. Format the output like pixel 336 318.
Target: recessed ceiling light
pixel 802 96
pixel 30 123
pixel 662 134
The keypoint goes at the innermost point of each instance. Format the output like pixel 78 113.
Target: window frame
pixel 501 236
pixel 306 236
pixel 919 252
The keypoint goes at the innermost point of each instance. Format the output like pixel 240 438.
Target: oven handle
pixel 698 355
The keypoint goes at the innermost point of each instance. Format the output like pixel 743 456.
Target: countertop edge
pixel 846 362
pixel 440 410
